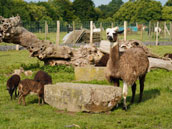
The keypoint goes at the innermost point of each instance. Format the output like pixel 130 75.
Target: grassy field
pixel 154 112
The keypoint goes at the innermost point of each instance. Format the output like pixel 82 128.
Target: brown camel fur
pixel 130 66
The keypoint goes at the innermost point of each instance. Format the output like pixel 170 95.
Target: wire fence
pixel 145 32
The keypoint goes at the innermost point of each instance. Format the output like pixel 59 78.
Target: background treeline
pixel 85 10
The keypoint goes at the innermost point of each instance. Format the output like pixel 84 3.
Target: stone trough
pixel 89 73
pixel 76 97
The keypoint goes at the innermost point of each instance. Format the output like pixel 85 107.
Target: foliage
pixel 52 11
pixel 139 11
pixel 84 9
pixel 148 10
pixel 167 13
pixel 168 3
pixel 126 12
pixel 111 8
pixel 20 7
pixel 65 9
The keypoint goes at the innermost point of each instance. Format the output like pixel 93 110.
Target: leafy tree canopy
pixel 139 11
pixel 111 8
pixel 168 3
pixel 65 9
pixel 167 13
pixel 84 9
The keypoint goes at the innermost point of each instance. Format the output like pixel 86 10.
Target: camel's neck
pixel 114 53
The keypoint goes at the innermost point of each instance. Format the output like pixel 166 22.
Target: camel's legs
pixel 133 92
pixel 125 92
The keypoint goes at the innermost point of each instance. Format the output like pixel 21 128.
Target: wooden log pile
pixel 11 31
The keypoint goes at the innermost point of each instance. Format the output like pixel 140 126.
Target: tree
pixel 167 13
pixel 132 0
pixel 64 8
pixel 168 3
pixel 84 9
pixel 20 8
pixel 36 12
pixel 98 12
pixel 111 8
pixel 51 10
pixel 148 10
pixel 5 8
pixel 126 13
pixel 139 11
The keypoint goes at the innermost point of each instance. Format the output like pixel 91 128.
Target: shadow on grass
pixel 147 94
pixel 35 101
pixel 31 66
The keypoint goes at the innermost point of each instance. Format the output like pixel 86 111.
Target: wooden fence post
pixel 81 27
pixel 112 25
pixel 125 30
pixel 101 27
pixel 141 32
pixel 91 32
pixel 170 31
pixel 165 34
pixel 157 34
pixel 73 23
pixel 154 37
pixel 149 29
pixel 58 33
pixel 17 47
pixel 46 30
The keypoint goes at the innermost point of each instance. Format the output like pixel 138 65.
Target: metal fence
pixel 140 31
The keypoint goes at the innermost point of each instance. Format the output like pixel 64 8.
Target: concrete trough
pixel 89 73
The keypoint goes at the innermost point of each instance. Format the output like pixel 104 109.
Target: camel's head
pixel 112 34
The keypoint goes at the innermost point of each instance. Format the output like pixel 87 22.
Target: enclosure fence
pixel 153 32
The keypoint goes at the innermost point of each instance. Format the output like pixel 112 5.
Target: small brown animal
pixel 12 84
pixel 43 77
pixel 27 86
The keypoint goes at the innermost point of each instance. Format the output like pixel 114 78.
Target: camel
pixel 129 66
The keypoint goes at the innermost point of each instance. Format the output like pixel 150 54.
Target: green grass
pixel 51 36
pixel 154 112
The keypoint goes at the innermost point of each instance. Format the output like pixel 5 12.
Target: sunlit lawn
pixel 155 111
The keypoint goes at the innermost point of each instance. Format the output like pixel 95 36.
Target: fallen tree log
pixel 11 31
pixel 159 63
